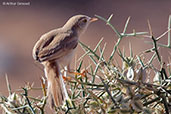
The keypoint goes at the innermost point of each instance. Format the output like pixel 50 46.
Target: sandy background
pixel 21 27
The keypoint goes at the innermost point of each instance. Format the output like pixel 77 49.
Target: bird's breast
pixel 66 60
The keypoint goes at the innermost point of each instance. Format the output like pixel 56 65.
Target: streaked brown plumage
pixel 55 49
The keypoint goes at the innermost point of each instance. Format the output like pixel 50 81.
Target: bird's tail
pixel 55 90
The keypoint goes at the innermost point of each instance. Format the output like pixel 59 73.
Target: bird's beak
pixel 93 19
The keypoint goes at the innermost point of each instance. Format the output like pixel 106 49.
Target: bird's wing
pixel 54 45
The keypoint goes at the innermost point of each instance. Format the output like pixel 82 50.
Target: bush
pixel 106 88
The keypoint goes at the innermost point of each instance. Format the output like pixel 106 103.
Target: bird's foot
pixel 69 78
pixel 66 78
pixel 83 74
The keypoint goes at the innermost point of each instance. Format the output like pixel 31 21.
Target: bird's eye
pixel 85 20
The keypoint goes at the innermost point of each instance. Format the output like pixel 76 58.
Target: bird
pixel 54 50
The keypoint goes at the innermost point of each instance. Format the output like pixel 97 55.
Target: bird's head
pixel 79 23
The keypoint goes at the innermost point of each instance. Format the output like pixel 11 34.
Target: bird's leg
pixel 67 69
pixel 65 75
pixel 76 73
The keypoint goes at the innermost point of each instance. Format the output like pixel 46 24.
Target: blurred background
pixel 22 26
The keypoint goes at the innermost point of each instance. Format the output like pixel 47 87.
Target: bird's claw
pixel 66 78
pixel 83 74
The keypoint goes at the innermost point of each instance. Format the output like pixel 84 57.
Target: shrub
pixel 105 87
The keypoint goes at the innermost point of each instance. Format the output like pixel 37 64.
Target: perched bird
pixel 55 50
